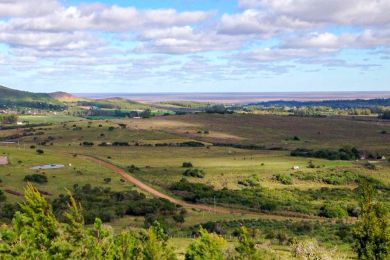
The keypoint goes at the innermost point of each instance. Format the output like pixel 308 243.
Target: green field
pixel 153 147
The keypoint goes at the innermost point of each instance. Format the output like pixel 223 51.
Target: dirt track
pixel 158 194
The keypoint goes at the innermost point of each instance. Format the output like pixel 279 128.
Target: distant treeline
pixel 346 153
pixel 32 104
pixel 356 103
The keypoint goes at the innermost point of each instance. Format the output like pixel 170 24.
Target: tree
pixel 35 233
pixel 372 230
pixel 206 246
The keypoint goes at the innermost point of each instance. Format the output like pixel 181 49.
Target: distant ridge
pixel 12 97
pixel 64 96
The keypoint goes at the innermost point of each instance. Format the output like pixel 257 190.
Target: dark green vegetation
pixel 35 232
pixel 37 178
pixel 323 202
pixel 347 153
pixel 103 203
pixel 194 173
pixel 11 98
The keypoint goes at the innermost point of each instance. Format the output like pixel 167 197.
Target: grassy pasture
pixel 224 167
pixel 49 119
pixel 276 131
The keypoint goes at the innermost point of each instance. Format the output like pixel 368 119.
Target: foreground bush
pixel 36 234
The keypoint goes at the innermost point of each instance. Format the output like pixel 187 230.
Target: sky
pixel 139 46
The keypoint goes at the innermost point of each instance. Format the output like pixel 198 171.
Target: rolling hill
pixel 64 97
pixel 12 98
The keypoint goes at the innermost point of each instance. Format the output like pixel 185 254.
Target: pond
pixel 48 166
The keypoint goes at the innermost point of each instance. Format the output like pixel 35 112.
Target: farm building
pixel 3 160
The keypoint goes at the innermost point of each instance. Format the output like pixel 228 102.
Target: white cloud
pixel 30 8
pixel 181 40
pixel 346 12
pixel 257 22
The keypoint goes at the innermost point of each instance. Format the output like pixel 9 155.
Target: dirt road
pixel 159 194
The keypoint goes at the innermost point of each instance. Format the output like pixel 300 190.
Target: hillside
pixel 11 98
pixel 64 97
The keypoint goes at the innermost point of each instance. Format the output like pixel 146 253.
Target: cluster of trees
pixel 345 153
pixel 36 233
pixel 103 203
pixel 218 109
pixel 37 178
pixel 385 115
pixel 8 119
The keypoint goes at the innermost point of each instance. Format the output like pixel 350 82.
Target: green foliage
pixel 194 173
pixel 36 234
pixel 372 230
pixel 37 178
pixel 40 151
pixel 187 165
pixel 283 179
pixel 147 113
pixel 206 246
pixel 8 119
pixel 329 210
pixel 246 248
pixel 331 177
pixel 2 196
pixel 345 153
pixel 99 202
pixel 15 98
pixel 385 115
pixel 252 181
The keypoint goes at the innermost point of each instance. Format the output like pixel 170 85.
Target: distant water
pixel 48 166
pixel 240 97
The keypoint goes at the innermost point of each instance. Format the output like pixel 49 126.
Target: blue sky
pixel 195 45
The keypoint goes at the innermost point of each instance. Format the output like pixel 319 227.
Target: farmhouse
pixel 3 160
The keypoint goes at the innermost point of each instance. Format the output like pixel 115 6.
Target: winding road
pixel 158 194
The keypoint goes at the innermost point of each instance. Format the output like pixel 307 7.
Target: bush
pixel 132 168
pixel 253 181
pixel 40 151
pixel 370 166
pixel 37 178
pixel 87 143
pixel 283 179
pixel 194 173
pixel 107 180
pixel 332 211
pixel 187 165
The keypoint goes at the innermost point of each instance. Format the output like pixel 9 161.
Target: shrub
pixel 332 211
pixel 107 180
pixel 283 179
pixel 37 178
pixel 194 173
pixel 187 165
pixel 370 166
pixel 40 151
pixel 85 143
pixel 253 181
pixel 132 168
